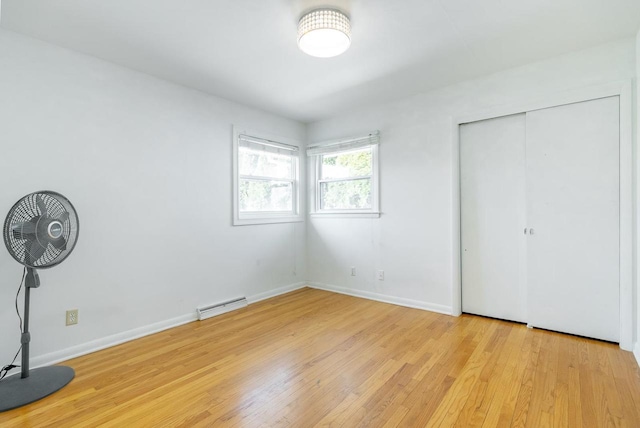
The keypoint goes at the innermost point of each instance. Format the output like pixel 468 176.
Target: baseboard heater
pixel 205 312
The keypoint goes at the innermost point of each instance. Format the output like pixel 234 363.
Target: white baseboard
pixel 109 341
pixel 136 333
pixel 401 301
pixel 636 352
pixel 278 291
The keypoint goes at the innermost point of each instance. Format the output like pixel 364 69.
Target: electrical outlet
pixel 353 271
pixel 72 317
pixel 380 275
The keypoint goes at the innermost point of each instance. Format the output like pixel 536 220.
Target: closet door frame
pixel 622 89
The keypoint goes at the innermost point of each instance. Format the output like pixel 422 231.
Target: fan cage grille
pixel 26 210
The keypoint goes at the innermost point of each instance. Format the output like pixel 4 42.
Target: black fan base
pixel 16 391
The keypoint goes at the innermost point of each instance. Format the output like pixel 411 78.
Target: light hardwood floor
pixel 313 358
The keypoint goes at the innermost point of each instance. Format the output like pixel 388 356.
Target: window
pixel 266 180
pixel 345 177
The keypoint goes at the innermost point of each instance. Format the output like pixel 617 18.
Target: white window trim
pixel 337 146
pixel 266 217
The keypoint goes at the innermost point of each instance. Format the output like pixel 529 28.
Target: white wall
pixel 636 196
pixel 413 239
pixel 147 164
pixel 117 142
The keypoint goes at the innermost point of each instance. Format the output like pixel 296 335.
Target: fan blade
pixel 60 244
pixel 25 227
pixel 21 230
pixel 41 206
pixel 35 251
pixel 63 217
pixel 22 236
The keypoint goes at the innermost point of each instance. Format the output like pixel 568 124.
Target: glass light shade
pixel 324 33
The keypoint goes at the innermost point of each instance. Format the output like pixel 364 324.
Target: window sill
pixel 272 220
pixel 346 215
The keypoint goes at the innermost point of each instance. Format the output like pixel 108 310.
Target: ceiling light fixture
pixel 324 33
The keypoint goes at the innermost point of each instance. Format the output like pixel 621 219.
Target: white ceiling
pixel 245 50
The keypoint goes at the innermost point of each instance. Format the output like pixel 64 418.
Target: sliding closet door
pixel 573 212
pixel 492 189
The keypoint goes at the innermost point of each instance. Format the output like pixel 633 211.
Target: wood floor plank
pixel 314 358
pixel 502 389
pixel 454 400
pixel 476 408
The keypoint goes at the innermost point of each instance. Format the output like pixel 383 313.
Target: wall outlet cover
pixel 72 317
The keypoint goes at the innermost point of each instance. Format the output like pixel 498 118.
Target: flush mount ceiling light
pixel 324 33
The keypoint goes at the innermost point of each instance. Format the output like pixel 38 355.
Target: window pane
pixel 346 195
pixel 356 163
pixel 266 195
pixel 264 164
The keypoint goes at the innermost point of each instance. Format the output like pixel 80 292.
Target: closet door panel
pixel 492 189
pixel 573 204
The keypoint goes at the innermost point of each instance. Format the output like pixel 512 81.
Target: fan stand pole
pixel 26 336
pixel 31 281
pixel 31 385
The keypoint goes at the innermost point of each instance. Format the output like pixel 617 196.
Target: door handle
pixel 530 231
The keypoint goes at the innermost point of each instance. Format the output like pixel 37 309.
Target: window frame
pixel 315 154
pixel 266 217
